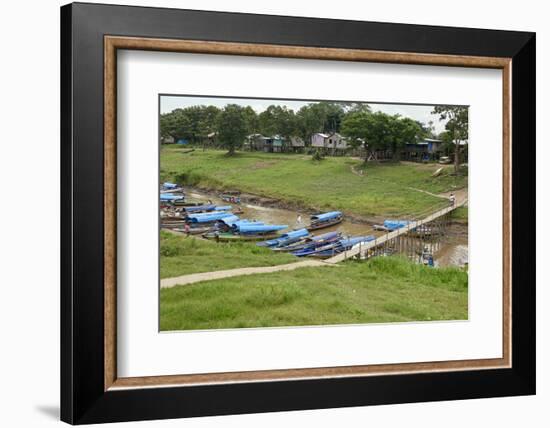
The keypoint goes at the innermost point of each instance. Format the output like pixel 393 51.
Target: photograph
pixel 286 212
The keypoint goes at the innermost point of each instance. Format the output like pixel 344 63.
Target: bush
pixel 317 156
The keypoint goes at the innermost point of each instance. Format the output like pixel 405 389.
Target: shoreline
pixel 268 202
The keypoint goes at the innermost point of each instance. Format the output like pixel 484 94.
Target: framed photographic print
pixel 265 213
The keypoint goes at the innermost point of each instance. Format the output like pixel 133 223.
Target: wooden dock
pixel 362 249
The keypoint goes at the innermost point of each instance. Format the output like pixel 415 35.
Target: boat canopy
pixel 208 217
pixel 200 208
pixel 169 185
pixel 326 216
pixel 170 197
pixel 324 236
pixel 244 222
pixel 286 238
pixel 230 220
pixel 395 224
pixel 260 228
pixel 223 208
pixel 295 234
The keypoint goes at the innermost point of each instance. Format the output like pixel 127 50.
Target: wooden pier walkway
pixel 361 250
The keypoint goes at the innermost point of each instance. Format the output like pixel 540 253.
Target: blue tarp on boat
pixel 395 224
pixel 285 239
pixel 326 216
pixel 208 217
pixel 230 221
pixel 168 186
pixel 223 208
pixel 251 228
pixel 325 236
pixel 333 248
pixel 200 208
pixel 236 225
pixel 245 221
pixel 170 197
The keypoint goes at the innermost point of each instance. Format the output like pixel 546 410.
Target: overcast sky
pixel 421 113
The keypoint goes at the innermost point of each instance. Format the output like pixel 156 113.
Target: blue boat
pixel 334 248
pixel 199 208
pixel 229 221
pixel 257 229
pixel 169 186
pixel 311 242
pixel 285 239
pixel 395 224
pixel 320 221
pixel 208 217
pixel 206 208
pixel 170 197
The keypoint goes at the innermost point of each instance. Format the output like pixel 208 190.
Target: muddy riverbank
pixel 452 250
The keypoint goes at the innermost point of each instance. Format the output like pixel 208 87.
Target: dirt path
pixel 206 276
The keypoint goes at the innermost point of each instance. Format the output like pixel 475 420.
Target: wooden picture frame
pixel 91 390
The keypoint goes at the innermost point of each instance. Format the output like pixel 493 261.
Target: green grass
pixel 461 214
pixel 180 255
pixel 327 184
pixel 384 289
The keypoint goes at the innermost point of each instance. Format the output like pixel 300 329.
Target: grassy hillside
pixel 384 289
pixel 382 189
pixel 180 255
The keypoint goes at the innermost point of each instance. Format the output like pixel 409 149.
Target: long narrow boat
pixel 193 230
pixel 208 217
pixel 257 229
pixel 170 197
pixel 320 221
pixel 395 224
pixel 285 239
pixel 229 236
pixel 206 208
pixel 309 251
pixel 341 246
pixel 311 242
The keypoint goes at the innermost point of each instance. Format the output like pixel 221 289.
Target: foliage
pixel 319 117
pixel 380 131
pixel 317 156
pixel 456 127
pixel 277 120
pixel 191 123
pixel 232 127
pixel 384 289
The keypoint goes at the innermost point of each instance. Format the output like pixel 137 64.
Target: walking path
pixel 207 276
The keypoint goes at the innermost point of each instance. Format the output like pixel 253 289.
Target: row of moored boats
pixel 221 223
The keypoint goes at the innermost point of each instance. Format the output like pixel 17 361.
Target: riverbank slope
pixel 295 180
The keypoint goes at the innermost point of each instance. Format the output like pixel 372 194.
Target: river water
pixel 453 250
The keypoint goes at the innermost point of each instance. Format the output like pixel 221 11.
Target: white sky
pixel 421 113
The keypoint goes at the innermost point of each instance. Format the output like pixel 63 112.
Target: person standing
pixel 452 199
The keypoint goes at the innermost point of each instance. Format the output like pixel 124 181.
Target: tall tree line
pixel 373 131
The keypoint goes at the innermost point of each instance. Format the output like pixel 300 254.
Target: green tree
pixel 323 116
pixel 191 123
pixel 231 125
pixel 456 127
pixel 380 131
pixel 403 130
pixel 251 119
pixel 355 127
